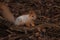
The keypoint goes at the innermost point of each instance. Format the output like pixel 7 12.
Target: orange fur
pixel 7 13
pixel 27 19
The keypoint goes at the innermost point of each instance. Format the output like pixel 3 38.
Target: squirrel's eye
pixel 32 16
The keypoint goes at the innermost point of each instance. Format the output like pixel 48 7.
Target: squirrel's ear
pixel 31 12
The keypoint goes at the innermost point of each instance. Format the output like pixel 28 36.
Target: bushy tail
pixel 7 13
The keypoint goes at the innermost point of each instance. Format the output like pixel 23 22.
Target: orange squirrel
pixel 26 19
pixel 21 20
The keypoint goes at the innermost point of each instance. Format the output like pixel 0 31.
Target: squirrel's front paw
pixel 33 24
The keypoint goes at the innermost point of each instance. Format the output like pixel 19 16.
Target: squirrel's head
pixel 32 15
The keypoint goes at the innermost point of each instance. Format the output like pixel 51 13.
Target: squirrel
pixel 27 19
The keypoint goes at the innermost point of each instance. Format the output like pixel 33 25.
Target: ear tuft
pixel 31 12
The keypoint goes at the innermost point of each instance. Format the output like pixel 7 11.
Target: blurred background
pixel 47 22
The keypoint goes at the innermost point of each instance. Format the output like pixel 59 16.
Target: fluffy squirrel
pixel 27 19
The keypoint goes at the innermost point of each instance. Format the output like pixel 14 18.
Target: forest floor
pixel 47 24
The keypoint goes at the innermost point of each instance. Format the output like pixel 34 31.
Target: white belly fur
pixel 22 19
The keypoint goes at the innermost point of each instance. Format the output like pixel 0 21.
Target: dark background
pixel 47 22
